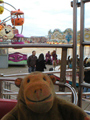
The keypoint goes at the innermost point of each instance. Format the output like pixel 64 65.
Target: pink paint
pixel 21 42
pixel 16 57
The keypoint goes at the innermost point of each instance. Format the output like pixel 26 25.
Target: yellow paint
pixel 1 9
pixel 1 1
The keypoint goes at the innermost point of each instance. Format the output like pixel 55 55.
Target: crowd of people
pixel 70 61
pixel 39 64
pixel 86 72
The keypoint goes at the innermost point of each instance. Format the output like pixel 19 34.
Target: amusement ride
pixel 10 31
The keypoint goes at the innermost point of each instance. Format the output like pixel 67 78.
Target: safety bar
pixel 75 98
pixel 74 93
pixel 23 74
pixel 88 112
pixel 85 85
pixel 12 78
pixel 86 43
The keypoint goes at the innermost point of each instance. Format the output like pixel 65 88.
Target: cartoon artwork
pixel 1 25
pixel 7 32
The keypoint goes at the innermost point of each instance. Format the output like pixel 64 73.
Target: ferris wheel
pixel 9 31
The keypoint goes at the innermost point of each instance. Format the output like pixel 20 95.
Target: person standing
pixel 87 76
pixel 54 55
pixel 40 63
pixel 48 58
pixel 87 80
pixel 31 62
pixel 54 58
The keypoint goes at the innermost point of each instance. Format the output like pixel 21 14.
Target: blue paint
pixel 68 37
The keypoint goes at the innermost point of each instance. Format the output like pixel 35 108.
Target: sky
pixel 44 15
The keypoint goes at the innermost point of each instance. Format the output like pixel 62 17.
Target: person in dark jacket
pixel 87 80
pixel 87 77
pixel 40 63
pixel 31 62
pixel 85 62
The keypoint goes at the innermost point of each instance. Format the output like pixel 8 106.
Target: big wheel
pixel 9 25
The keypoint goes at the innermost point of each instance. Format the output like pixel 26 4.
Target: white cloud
pixel 41 16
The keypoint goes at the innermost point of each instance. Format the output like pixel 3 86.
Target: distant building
pixel 38 39
pixel 26 39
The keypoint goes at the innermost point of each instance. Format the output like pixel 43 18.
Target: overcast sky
pixel 43 15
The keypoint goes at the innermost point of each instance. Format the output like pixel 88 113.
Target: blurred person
pixel 87 80
pixel 87 63
pixel 54 55
pixel 54 58
pixel 40 63
pixel 87 76
pixel 78 61
pixel 85 60
pixel 69 61
pixel 31 62
pixel 48 58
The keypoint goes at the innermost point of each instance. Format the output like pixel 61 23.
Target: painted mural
pixel 59 37
pixel 65 37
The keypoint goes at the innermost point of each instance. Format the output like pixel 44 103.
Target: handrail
pixel 86 0
pixel 86 43
pixel 85 85
pixel 11 93
pixel 42 45
pixel 7 78
pixel 22 74
pixel 74 93
pixel 75 98
pixel 88 112
pixel 58 93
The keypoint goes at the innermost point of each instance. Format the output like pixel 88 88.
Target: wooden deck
pixel 24 69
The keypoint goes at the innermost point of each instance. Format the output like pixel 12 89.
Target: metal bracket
pixel 78 4
pixel 86 1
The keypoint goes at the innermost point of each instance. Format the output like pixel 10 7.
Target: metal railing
pixel 73 92
pixel 12 77
pixel 41 45
pixel 7 92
